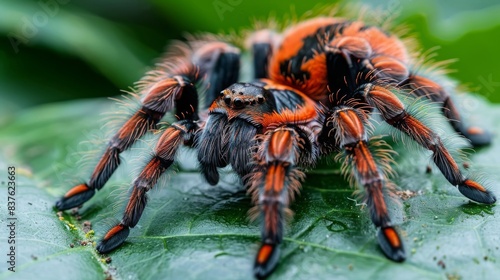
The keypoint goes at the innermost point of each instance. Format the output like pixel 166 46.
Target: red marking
pixel 474 185
pixel 475 130
pixel 264 253
pixel 76 190
pixel 116 229
pixel 392 237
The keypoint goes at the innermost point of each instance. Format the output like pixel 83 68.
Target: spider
pixel 316 88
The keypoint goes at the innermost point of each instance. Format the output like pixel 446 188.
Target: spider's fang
pixel 266 260
pixel 75 197
pixel 476 192
pixel 391 244
pixel 114 238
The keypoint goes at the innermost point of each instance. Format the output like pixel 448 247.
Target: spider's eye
pixel 227 100
pixel 238 103
pixel 260 99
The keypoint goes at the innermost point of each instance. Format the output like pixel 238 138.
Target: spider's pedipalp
pixel 172 138
pixel 394 113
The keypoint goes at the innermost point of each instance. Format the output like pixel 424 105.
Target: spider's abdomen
pixel 309 51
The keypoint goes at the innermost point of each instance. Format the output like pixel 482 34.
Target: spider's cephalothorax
pixel 314 92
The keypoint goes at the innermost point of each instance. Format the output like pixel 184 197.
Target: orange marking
pixel 113 231
pixel 151 171
pixel 475 130
pixel 168 143
pixel 280 143
pixel 275 178
pixel 385 100
pixel 364 160
pixel 264 253
pixel 351 122
pixel 136 122
pixel 106 159
pixel 390 66
pixel 290 46
pixel 76 190
pixel 392 237
pixel 158 91
pixel 474 185
pixel 418 131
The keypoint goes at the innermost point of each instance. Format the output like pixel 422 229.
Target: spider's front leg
pixel 346 127
pixel 394 113
pixel 178 133
pixel 171 86
pixel 274 182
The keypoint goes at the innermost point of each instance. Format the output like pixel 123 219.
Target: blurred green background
pixel 54 50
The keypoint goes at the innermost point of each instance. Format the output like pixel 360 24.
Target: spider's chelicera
pixel 315 90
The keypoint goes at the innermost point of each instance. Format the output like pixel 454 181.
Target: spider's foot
pixel 391 244
pixel 476 192
pixel 75 197
pixel 114 238
pixel 477 136
pixel 266 260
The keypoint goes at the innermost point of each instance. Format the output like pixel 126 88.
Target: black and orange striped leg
pixel 422 86
pixel 216 63
pixel 177 134
pixel 348 125
pixel 274 182
pixel 160 98
pixel 394 113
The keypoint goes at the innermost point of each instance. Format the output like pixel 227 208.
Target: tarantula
pixel 316 88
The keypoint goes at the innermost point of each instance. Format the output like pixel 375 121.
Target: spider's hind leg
pixel 422 86
pixel 394 113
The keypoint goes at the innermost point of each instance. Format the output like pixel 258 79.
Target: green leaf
pixel 191 230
